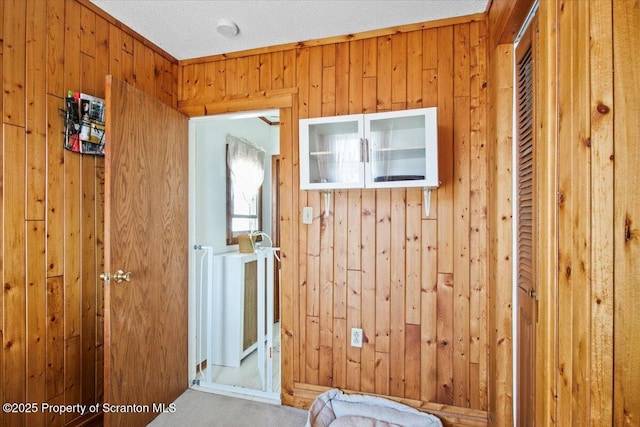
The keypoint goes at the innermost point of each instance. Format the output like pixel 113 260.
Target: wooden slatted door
pixel 526 228
pixel 146 233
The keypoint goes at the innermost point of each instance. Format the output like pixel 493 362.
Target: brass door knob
pixel 120 276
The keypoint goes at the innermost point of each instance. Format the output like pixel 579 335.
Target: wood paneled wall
pixel 500 214
pixel 623 33
pixel 420 286
pixel 415 283
pixel 591 322
pixel 52 199
pixel 588 324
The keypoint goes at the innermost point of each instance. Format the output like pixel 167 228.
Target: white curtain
pixel 340 160
pixel 246 163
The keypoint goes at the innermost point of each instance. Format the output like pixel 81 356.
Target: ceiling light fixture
pixel 227 28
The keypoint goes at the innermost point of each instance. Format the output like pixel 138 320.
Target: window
pixel 243 214
pixel 245 173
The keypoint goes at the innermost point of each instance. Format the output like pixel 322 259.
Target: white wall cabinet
pixel 378 150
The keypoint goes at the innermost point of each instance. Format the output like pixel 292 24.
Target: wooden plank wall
pixel 500 223
pixel 591 324
pixel 594 205
pixel 415 283
pixel 598 254
pixel 626 211
pixel 52 200
pixel 588 325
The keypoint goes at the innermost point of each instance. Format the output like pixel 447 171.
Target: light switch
pixel 307 215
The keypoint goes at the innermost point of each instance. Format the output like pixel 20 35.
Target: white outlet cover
pixel 356 337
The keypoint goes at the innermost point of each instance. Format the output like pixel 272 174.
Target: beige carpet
pixel 200 409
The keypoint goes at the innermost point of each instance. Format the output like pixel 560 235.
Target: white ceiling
pixel 186 29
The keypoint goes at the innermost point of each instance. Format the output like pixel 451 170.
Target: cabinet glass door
pixel 402 149
pixel 332 155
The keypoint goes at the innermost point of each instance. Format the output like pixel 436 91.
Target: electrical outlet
pixel 307 215
pixel 356 337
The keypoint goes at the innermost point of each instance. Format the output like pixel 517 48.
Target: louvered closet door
pixel 526 226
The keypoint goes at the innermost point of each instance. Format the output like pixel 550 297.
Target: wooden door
pixel 146 233
pixel 525 148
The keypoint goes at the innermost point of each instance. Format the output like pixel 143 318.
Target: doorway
pixel 220 309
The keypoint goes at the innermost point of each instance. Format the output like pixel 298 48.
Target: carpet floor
pixel 201 409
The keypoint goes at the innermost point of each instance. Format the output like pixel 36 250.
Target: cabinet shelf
pixel 394 149
pixel 398 178
pixel 323 153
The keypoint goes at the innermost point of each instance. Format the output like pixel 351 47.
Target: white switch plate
pixel 356 337
pixel 307 215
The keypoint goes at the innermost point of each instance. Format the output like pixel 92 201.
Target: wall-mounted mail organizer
pixel 84 124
